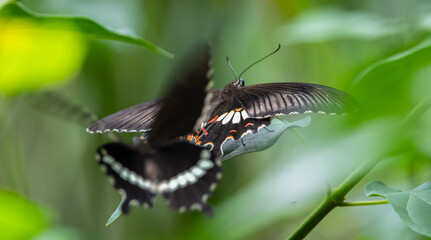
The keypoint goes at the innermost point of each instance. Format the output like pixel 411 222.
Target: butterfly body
pixel 183 173
pixel 238 109
pixel 177 159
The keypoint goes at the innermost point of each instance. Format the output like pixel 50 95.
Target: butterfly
pixel 182 172
pixel 237 110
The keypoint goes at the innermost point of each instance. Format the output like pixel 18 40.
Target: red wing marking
pixel 238 109
pixel 214 119
pixel 249 124
pixel 233 130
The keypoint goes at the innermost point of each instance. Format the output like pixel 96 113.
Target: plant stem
pixel 363 203
pixel 335 198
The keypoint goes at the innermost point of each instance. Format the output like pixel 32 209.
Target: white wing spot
pixel 173 185
pixel 144 184
pixel 162 187
pixel 221 117
pixel 198 172
pixel 116 167
pixel 196 206
pixel 244 114
pixel 219 175
pixel 133 178
pixel 190 177
pixel 108 159
pixel 134 202
pixel 182 209
pixel 103 167
pixel 125 174
pixel 228 117
pixel 205 154
pixel 205 164
pixel 205 197
pixel 182 181
pixel 236 118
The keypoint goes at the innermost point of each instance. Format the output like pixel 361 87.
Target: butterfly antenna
pixel 276 50
pixel 231 68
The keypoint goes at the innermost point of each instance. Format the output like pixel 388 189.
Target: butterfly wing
pixel 138 118
pixel 126 167
pixel 188 175
pixel 186 105
pixel 184 173
pixel 271 99
pixel 234 125
pixel 236 112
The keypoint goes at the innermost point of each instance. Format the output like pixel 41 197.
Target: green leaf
pixel 261 140
pixel 59 233
pixel 33 56
pixel 329 24
pixel 79 25
pixel 383 87
pixel 413 207
pixel 117 211
pixel 20 218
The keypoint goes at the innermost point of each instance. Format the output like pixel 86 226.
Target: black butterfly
pixel 237 110
pixel 184 173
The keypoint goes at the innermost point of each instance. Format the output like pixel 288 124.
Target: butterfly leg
pixel 242 142
pixel 268 129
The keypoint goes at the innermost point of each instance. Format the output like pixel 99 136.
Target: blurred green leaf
pixel 59 233
pixel 413 207
pixel 32 55
pixel 20 218
pixel 80 25
pixel 329 24
pixel 384 87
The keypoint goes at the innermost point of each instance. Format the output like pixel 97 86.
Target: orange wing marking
pixel 249 124
pixel 214 119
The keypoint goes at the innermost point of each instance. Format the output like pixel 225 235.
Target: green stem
pixel 363 203
pixel 335 198
pixel 421 108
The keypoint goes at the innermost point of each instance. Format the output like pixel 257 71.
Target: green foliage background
pixel 379 51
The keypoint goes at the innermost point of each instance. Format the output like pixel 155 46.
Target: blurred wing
pixel 138 118
pixel 184 173
pixel 188 175
pixel 271 99
pixel 126 166
pixel 186 105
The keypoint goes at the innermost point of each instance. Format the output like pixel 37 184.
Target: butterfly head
pixel 239 82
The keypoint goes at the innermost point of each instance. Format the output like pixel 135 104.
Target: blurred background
pixel 378 51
